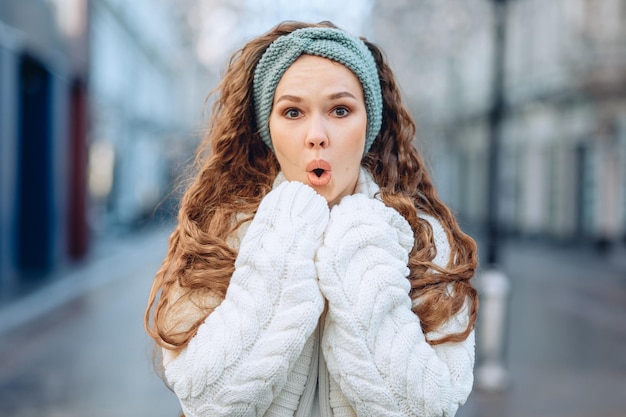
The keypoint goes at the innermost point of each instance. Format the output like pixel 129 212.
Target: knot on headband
pixel 334 44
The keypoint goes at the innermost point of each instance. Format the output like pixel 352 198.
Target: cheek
pixel 274 131
pixel 352 150
pixel 279 142
pixel 351 158
pixel 288 162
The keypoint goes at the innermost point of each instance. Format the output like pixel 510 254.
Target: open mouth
pixel 319 172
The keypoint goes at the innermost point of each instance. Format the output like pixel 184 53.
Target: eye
pixel 292 113
pixel 341 111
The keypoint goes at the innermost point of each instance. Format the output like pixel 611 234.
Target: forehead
pixel 310 68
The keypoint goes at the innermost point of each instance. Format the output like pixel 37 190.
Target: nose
pixel 317 136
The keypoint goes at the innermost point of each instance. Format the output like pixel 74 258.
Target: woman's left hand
pixel 362 270
pixel 373 343
pixel 363 235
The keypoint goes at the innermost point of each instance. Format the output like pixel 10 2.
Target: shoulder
pixel 459 321
pixel 440 237
pixel 234 240
pixel 366 185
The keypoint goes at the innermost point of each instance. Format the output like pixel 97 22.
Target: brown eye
pixel 340 111
pixel 292 113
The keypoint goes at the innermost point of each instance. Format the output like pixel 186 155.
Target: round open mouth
pixel 319 172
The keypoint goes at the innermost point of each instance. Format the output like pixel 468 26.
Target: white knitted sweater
pixel 317 319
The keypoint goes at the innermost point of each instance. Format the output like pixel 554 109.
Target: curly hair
pixel 235 170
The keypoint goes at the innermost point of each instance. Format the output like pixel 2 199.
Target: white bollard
pixel 493 289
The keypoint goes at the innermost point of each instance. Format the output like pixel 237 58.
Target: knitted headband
pixel 334 44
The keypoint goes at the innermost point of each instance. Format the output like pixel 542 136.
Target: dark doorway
pixel 34 169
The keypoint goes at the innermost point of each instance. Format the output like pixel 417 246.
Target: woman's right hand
pixel 244 351
pixel 290 223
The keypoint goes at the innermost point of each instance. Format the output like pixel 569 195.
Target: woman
pixel 313 270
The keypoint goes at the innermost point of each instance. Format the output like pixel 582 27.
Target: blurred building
pixel 100 103
pixel 147 94
pixel 43 115
pixel 563 152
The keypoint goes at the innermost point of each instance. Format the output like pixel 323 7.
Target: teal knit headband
pixel 334 44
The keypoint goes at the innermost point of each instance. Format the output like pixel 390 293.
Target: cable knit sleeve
pixel 241 356
pixel 373 343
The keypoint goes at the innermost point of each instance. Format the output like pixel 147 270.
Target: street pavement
pixel 86 353
pixel 565 348
pixel 77 347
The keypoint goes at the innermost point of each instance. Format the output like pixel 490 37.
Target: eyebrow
pixel 288 98
pixel 342 95
pixel 297 99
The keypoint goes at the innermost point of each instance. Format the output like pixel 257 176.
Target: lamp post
pixel 493 285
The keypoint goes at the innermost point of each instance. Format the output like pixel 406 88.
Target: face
pixel 318 124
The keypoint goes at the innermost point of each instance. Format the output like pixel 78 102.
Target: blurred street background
pixel 521 113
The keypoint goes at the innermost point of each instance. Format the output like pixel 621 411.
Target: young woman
pixel 313 270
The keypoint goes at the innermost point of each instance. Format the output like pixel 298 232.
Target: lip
pixel 323 179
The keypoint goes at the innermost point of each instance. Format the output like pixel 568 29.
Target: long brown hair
pixel 235 170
